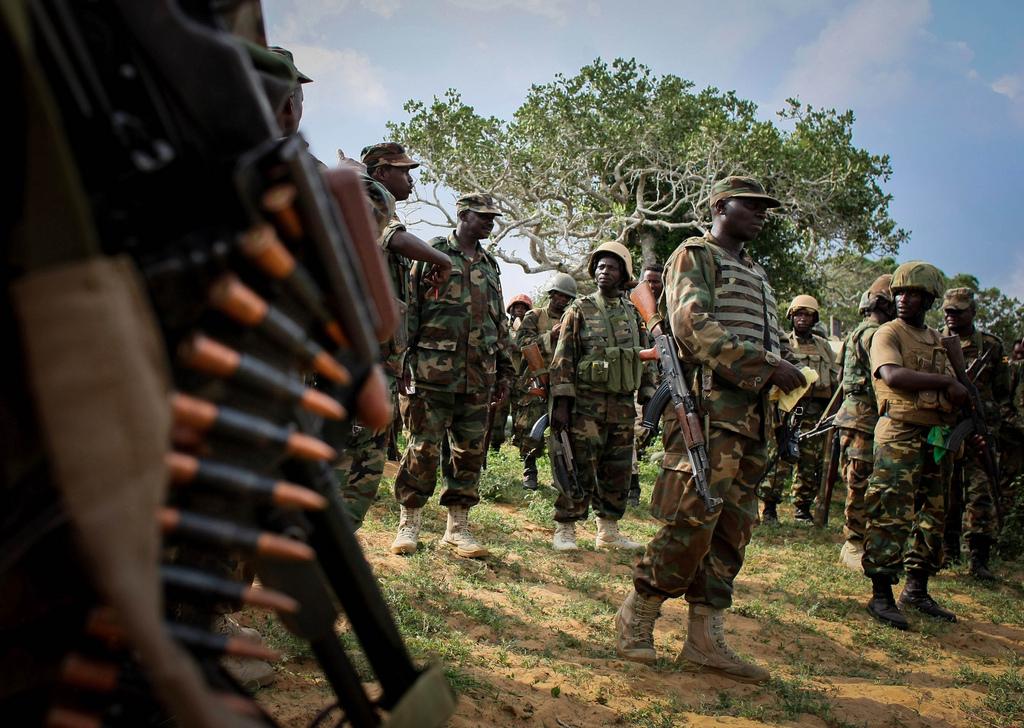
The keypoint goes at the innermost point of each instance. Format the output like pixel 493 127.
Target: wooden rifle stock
pixel 643 298
pixel 538 370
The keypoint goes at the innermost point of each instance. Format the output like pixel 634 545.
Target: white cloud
pixel 556 10
pixel 862 56
pixel 342 78
pixel 1011 86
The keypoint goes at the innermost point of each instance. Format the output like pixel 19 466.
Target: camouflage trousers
pixel 905 504
pixel 527 412
pixel 500 424
pixel 806 481
pixel 431 416
pixel 697 554
pixel 856 460
pixel 604 462
pixel 979 509
pixel 361 465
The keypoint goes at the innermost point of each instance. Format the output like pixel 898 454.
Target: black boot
pixel 802 512
pixel 980 548
pixel 633 496
pixel 530 471
pixel 915 594
pixel 769 514
pixel 950 549
pixel 883 607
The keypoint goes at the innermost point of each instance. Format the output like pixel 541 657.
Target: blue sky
pixel 939 86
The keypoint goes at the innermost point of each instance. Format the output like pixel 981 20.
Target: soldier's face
pixel 398 180
pixel 518 310
pixel 478 224
pixel 958 319
pixel 653 279
pixel 745 216
pixel 912 305
pixel 803 321
pixel 291 114
pixel 608 273
pixel 559 301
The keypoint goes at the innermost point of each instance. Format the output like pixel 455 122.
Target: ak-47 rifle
pixel 832 449
pixel 563 460
pixel 538 369
pixel 684 404
pixel 973 422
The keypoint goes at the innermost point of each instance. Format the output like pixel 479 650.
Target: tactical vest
pixel 744 302
pixel 817 355
pixel 610 346
pixel 922 352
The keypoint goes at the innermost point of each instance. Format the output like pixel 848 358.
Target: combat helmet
pixel 803 301
pixel 620 251
pixel 563 283
pixel 519 298
pixel 918 275
pixel 878 291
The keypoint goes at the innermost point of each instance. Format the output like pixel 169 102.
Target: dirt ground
pixel 526 637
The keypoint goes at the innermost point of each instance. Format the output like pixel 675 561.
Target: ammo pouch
pixel 618 370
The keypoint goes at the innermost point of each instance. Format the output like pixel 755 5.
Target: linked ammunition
pixel 199 640
pixel 374 401
pixel 279 201
pixel 214 588
pixel 185 469
pixel 231 535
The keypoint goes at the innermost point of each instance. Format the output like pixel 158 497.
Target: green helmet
pixel 920 275
pixel 563 283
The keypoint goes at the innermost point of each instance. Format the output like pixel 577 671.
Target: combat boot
pixel 882 605
pixel 980 549
pixel 609 536
pixel 633 496
pixel 802 512
pixel 634 623
pixel 565 537
pixel 950 550
pixel 706 648
pixel 458 535
pixel 408 531
pixel 850 556
pixel 770 513
pixel 530 471
pixel 915 594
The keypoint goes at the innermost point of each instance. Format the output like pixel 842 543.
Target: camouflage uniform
pixel 1011 434
pixel 979 514
pixel 530 407
pixel 508 407
pixel 856 421
pixel 458 354
pixel 816 353
pixel 906 495
pixel 596 362
pixel 711 301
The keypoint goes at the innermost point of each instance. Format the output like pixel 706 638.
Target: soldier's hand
pixel 560 415
pixel 438 275
pixel 501 393
pixel 958 394
pixel 786 377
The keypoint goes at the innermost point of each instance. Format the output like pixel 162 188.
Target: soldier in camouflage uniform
pixel 458 354
pixel 993 382
pixel 905 501
pixel 858 415
pixel 387 178
pixel 540 326
pixel 1011 434
pixel 717 302
pixel 516 310
pixel 596 374
pixel 652 276
pixel 807 349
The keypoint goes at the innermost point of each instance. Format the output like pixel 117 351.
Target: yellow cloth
pixel 788 401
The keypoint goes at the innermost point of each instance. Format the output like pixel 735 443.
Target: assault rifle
pixel 538 370
pixel 832 449
pixel 973 422
pixel 563 460
pixel 684 404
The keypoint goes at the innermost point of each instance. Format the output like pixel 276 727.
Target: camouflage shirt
pixel 535 328
pixel 1014 407
pixel 859 410
pixel 596 335
pixel 459 333
pixel 730 371
pixel 994 380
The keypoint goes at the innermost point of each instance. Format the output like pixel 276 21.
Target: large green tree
pixel 618 153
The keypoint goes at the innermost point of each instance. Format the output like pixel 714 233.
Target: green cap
pixel 477 202
pixel 740 187
pixel 958 298
pixel 287 55
pixel 387 154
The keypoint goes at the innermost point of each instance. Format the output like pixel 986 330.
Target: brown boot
pixel 706 648
pixel 635 625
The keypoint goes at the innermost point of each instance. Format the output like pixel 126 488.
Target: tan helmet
pixel 878 291
pixel 620 251
pixel 563 283
pixel 802 301
pixel 920 275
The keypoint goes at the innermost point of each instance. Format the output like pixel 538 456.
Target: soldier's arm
pixel 887 364
pixel 688 295
pixel 415 302
pixel 648 375
pixel 399 240
pixel 506 369
pixel 528 331
pixel 562 373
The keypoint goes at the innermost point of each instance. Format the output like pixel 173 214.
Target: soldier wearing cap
pixel 596 375
pixel 458 355
pixel 969 478
pixel 289 115
pixel 386 179
pixel 516 310
pixel 807 349
pixel 722 313
pixel 540 326
pixel 905 501
pixel 858 415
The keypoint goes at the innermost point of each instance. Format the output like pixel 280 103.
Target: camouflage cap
pixel 477 202
pixel 387 154
pixel 740 187
pixel 920 275
pixel 287 55
pixel 958 298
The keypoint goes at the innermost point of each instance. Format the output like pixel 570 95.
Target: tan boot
pixel 408 531
pixel 609 536
pixel 458 535
pixel 565 537
pixel 850 556
pixel 634 623
pixel 705 647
